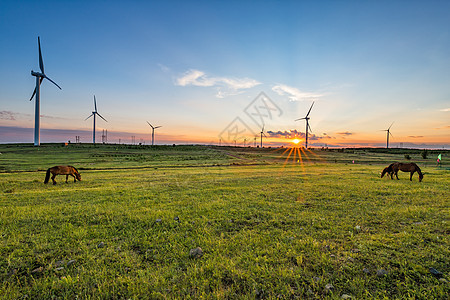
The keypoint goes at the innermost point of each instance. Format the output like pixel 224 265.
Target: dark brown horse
pixel 393 169
pixel 62 170
pixel 389 170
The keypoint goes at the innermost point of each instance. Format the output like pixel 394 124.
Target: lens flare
pixel 296 141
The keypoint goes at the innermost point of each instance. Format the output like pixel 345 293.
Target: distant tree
pixel 424 154
pixel 407 156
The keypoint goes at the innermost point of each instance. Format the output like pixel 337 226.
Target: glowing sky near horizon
pixel 197 67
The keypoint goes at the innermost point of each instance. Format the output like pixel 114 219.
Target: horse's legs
pixel 396 174
pixel 53 179
pixel 74 178
pixel 411 175
pixel 67 177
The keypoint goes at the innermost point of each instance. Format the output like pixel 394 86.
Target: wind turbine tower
pixel 153 132
pixel 95 113
pixel 307 125
pixel 262 133
pixel 388 132
pixel 37 91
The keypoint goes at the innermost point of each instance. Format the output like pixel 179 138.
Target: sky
pixel 220 72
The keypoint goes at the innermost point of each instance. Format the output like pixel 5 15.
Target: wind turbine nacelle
pixel 37 74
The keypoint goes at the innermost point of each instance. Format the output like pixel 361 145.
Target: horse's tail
pixel 47 176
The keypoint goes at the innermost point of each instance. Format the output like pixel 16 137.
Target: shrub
pixel 424 154
pixel 407 156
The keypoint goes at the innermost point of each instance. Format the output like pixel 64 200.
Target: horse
pixel 389 170
pixel 62 170
pixel 407 167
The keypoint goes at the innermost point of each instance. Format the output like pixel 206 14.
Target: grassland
pixel 323 225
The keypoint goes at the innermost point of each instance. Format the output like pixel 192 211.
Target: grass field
pixel 323 225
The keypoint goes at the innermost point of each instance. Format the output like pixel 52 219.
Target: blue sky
pixel 195 66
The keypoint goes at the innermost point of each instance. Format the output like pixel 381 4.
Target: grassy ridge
pixel 267 229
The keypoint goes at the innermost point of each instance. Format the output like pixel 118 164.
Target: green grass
pixel 267 229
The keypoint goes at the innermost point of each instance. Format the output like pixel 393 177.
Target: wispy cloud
pixel 445 109
pixel 164 68
pixel 14 116
pixel 345 133
pixel 415 136
pixel 8 115
pixel 293 93
pixel 445 127
pixel 292 134
pixel 225 86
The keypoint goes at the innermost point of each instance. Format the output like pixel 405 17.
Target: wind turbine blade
pixel 89 116
pixel 391 134
pixel 262 130
pixel 53 82
pixel 95 104
pixel 309 128
pixel 100 116
pixel 34 92
pixel 300 119
pixel 391 125
pixel 309 110
pixel 150 125
pixel 41 62
pixel 158 127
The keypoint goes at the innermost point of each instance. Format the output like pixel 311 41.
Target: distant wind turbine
pixel 308 128
pixel 94 113
pixel 153 132
pixel 37 91
pixel 262 133
pixel 387 135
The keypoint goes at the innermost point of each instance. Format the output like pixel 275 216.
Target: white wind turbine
pixel 262 133
pixel 153 132
pixel 388 132
pixel 37 91
pixel 308 128
pixel 94 113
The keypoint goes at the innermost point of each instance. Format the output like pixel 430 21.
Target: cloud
pixel 232 86
pixel 8 115
pixel 291 134
pixel 445 109
pixel 346 133
pixel 164 68
pixel 293 93
pixel 445 127
pixel 326 136
pixel 415 136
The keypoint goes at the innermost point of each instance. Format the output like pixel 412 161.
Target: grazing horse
pixel 407 167
pixel 62 170
pixel 389 170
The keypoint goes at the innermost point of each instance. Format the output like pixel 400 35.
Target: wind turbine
pixel 308 128
pixel 37 91
pixel 387 135
pixel 153 131
pixel 94 113
pixel 262 133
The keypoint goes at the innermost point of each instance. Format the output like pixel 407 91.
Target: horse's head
pixel 78 176
pixel 420 177
pixel 384 171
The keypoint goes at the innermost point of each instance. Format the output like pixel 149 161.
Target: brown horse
pixel 62 170
pixel 393 169
pixel 389 170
